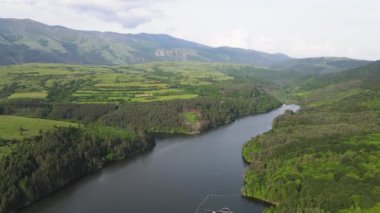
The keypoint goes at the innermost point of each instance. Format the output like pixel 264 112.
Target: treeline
pixel 39 166
pixel 317 164
pixel 26 107
pixel 217 107
pixel 60 91
pixel 325 158
pixel 166 116
pixel 8 89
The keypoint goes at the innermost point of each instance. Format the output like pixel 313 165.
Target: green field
pixel 191 117
pixel 157 97
pixel 107 84
pixel 16 128
pixel 34 95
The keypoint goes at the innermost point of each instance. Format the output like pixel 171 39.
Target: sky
pixel 299 28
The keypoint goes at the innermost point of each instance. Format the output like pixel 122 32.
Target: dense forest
pixel 154 117
pixel 324 158
pixel 40 165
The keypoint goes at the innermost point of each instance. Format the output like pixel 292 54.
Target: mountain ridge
pixel 320 65
pixel 28 41
pixel 25 41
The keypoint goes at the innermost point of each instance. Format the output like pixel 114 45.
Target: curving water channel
pixel 182 174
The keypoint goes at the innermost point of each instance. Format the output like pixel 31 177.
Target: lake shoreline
pixel 157 135
pixel 80 177
pixel 249 162
pixel 149 151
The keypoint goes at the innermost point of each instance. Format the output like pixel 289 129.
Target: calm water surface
pixel 175 177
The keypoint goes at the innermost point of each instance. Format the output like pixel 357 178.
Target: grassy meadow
pixel 17 127
pixel 14 129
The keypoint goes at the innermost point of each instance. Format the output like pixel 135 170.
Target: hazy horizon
pixel 316 29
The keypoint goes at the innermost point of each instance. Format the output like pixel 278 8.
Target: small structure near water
pixel 222 210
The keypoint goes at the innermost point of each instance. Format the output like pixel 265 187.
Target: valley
pixel 89 116
pixel 80 109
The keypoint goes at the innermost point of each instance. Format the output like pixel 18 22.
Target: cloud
pixel 128 14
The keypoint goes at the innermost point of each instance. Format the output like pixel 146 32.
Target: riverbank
pixel 166 173
pixel 205 129
pixel 23 199
pixel 57 180
pixel 58 157
pixel 326 157
pixel 247 151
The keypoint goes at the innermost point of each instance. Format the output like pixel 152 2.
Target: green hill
pixel 326 157
pixel 27 41
pixel 320 65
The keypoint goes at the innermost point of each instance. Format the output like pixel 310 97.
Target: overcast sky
pixel 299 28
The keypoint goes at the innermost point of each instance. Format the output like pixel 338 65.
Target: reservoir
pixel 184 174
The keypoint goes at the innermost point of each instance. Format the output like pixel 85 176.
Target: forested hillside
pixel 40 165
pixel 320 65
pixel 324 158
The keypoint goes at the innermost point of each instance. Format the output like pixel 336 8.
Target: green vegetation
pixel 90 84
pixel 156 97
pixel 60 121
pixel 38 156
pixel 320 65
pixel 323 158
pixel 326 157
pixel 191 117
pixel 41 165
pixel 34 95
pixel 16 128
pixel 114 110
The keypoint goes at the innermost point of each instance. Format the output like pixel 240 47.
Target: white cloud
pixel 127 14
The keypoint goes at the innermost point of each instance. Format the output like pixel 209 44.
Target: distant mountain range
pixel 319 65
pixel 24 41
pixel 28 41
